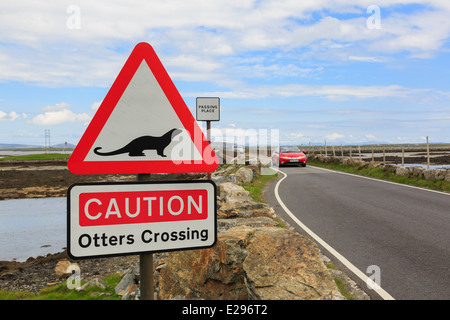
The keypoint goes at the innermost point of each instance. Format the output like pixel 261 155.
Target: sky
pixel 344 71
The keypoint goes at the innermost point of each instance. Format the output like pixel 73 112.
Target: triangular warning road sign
pixel 142 126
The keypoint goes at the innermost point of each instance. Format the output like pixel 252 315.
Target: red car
pixel 289 155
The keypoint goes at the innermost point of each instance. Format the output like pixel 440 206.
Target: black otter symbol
pixel 136 147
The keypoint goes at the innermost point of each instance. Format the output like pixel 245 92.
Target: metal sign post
pixel 208 109
pixel 146 264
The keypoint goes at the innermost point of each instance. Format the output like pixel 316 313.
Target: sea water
pixel 32 227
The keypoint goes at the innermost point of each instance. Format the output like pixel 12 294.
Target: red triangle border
pixel 142 51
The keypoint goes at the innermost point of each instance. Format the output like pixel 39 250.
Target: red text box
pixel 112 208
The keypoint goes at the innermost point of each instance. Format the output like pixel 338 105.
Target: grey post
pixel 146 264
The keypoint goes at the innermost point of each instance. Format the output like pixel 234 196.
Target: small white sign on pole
pixel 208 109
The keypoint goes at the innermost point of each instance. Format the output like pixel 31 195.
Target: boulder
pixel 402 171
pixel 430 174
pixel 211 274
pixel 130 277
pixel 244 175
pixel 232 193
pixel 417 171
pixel 284 265
pixel 249 263
pixel 62 268
pixel 447 176
pixel 441 174
pixel 245 210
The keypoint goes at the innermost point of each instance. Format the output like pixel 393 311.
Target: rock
pixel 62 268
pixel 132 292
pixel 225 224
pixel 131 276
pixel 249 263
pixel 210 274
pixel 441 174
pixel 359 163
pixel 390 167
pixel 244 210
pixel 430 174
pixel 417 171
pixel 232 193
pixel 284 265
pixel 244 175
pixel 434 174
pixel 402 171
pixel 447 176
pixel 373 164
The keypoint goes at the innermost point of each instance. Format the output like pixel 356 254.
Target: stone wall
pixel 416 171
pixel 254 258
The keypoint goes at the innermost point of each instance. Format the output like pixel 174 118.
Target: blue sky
pixel 346 71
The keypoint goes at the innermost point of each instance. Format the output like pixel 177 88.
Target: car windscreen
pixel 289 149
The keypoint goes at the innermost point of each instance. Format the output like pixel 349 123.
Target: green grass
pixel 43 156
pixel 343 289
pixel 255 188
pixel 61 292
pixel 379 173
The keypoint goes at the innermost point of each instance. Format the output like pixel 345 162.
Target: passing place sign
pixel 111 219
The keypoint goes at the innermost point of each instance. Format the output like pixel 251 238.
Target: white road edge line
pixel 379 180
pixel 337 255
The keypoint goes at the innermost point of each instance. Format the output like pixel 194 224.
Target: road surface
pixel 396 235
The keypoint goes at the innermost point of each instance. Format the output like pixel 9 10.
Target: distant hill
pixel 62 145
pixel 21 146
pixel 16 145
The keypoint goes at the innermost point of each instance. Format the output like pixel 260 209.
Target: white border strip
pixel 337 255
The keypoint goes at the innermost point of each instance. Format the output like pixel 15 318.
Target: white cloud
pixel 57 107
pixel 334 136
pixel 330 92
pixel 59 114
pixel 296 135
pixel 96 105
pixel 11 116
pixel 195 39
pixel 366 59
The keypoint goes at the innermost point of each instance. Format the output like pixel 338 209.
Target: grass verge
pixel 256 187
pixel 379 173
pixel 61 292
pixel 43 156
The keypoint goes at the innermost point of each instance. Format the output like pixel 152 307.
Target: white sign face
pixel 133 117
pixel 208 109
pixel 112 219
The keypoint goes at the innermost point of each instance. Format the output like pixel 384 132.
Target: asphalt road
pixel 403 231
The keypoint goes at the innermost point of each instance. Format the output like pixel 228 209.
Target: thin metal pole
pixel 146 276
pixel 146 264
pixel 208 135
pixel 428 154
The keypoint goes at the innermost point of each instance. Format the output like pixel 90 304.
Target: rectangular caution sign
pixel 112 219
